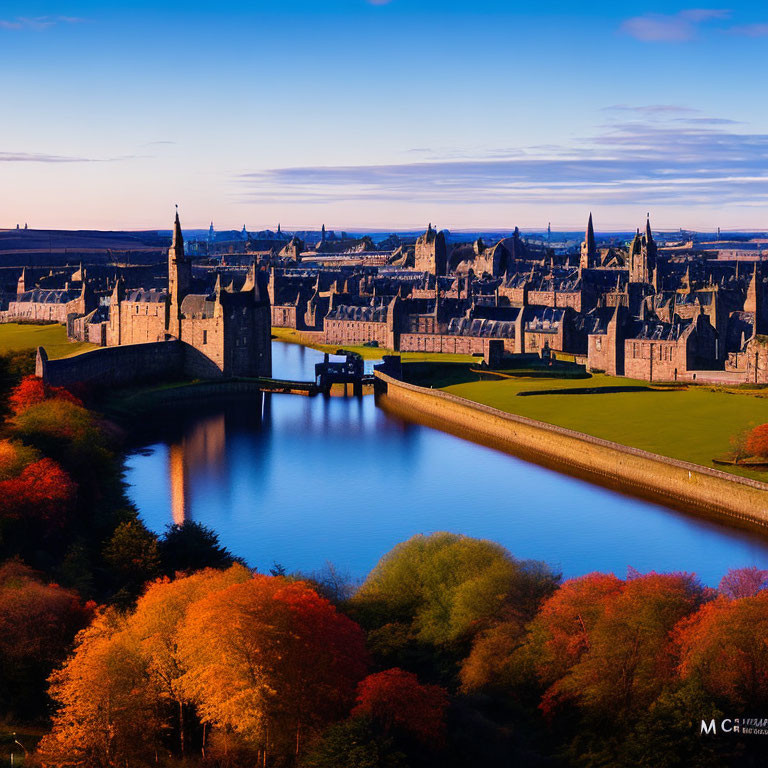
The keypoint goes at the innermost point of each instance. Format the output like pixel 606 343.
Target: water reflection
pixel 303 480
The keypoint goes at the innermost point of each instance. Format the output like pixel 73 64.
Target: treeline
pixel 451 653
pixel 159 651
pixel 68 534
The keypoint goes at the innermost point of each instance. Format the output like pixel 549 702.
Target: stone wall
pixel 114 366
pixel 449 344
pixel 679 484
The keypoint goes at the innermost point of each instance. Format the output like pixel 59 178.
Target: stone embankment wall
pixel 679 484
pixel 114 366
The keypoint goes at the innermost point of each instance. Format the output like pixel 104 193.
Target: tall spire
pixel 648 233
pixel 178 239
pixel 590 237
pixel 588 247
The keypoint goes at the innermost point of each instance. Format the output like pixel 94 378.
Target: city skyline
pixel 383 115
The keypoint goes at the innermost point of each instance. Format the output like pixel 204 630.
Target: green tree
pixel 132 559
pixel 448 587
pixel 190 546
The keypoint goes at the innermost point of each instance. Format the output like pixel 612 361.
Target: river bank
pixel 682 485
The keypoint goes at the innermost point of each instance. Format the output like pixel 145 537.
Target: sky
pixel 383 114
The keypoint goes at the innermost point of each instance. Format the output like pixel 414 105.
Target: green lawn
pixel 290 336
pixel 17 336
pixel 694 423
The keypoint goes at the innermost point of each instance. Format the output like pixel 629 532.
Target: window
pixel 205 337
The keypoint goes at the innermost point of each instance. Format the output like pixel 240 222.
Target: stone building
pixel 224 332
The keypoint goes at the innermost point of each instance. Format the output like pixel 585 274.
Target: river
pixel 303 481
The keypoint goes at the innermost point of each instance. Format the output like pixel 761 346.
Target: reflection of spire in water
pixel 201 448
pixel 177 473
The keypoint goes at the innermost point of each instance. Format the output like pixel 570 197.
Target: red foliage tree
pixel 723 646
pixel 396 698
pixel 622 655
pixel 33 390
pixel 757 441
pixel 38 622
pixel 42 491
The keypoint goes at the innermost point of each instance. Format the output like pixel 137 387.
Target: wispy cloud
pixel 38 22
pixel 41 157
pixel 671 28
pixel 627 161
pixel 750 30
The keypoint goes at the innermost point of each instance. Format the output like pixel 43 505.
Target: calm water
pixel 301 481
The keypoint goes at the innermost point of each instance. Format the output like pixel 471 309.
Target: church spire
pixel 588 247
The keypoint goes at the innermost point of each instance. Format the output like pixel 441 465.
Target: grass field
pixel 290 336
pixel 17 336
pixel 694 424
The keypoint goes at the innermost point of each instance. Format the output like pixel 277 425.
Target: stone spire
pixel 588 247
pixel 177 246
pixel 648 233
pixel 179 278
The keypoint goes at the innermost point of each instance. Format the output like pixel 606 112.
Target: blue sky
pixel 386 114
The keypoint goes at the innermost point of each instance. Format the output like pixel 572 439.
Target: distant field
pixel 18 336
pixel 370 353
pixel 694 424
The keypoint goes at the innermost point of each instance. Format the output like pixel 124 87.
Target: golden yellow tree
pixel 107 703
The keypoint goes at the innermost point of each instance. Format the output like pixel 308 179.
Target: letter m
pixel 711 728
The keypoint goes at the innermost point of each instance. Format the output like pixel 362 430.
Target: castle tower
pixel 588 247
pixel 642 256
pixel 179 279
pixel 431 253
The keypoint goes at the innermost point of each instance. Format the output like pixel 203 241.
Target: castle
pixel 225 332
pixel 630 307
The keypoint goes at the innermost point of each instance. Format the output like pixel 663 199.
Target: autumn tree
pixel 107 706
pixel 38 622
pixel 629 656
pixel 396 699
pixel 271 660
pixel 743 582
pixel 42 491
pixel 155 623
pixel 757 441
pixel 33 390
pixel 723 647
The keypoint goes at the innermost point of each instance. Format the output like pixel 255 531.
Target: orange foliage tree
pixel 270 660
pixel 156 621
pixel 757 441
pixel 723 646
pixel 108 711
pixel 396 698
